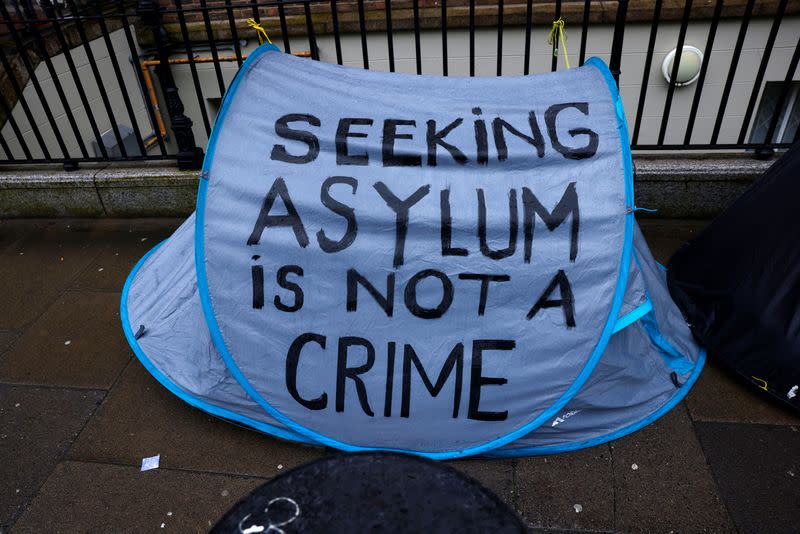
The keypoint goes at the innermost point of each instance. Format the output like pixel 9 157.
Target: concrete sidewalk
pixel 78 413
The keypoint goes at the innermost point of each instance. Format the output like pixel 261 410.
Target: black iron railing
pixel 103 109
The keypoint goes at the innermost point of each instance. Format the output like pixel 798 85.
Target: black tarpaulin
pixel 738 282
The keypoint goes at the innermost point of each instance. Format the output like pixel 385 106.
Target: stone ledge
pixel 700 167
pixel 701 186
pixel 679 187
pixel 146 191
pixel 120 190
pixel 47 192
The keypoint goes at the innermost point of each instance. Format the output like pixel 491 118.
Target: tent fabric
pixel 738 283
pixel 229 202
pixel 603 351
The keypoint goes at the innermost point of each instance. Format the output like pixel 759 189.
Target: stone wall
pixel 678 187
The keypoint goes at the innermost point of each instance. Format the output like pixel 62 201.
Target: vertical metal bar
pixel 213 44
pixel 23 54
pixel 417 45
pixel 554 60
pixel 500 10
pixel 389 33
pixel 312 37
pixel 10 118
pixel 118 73
pixel 201 103
pixel 138 68
pixel 69 165
pixel 15 127
pixel 676 62
pixel 7 149
pixel 62 42
pixel 18 9
pixel 256 16
pixel 712 32
pixel 651 45
pixel 337 39
pixel 726 92
pixel 472 37
pixel 45 55
pixel 284 27
pixel 526 69
pixel 444 37
pixel 615 63
pixel 363 27
pixel 190 156
pixel 98 79
pixel 762 68
pixel 787 85
pixel 237 48
pixel 587 5
pixel 24 104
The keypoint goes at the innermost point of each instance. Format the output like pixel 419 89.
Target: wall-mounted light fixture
pixel 689 68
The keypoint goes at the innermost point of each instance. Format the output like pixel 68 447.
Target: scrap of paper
pixel 150 462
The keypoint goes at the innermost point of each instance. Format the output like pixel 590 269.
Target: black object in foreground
pixel 370 492
pixel 738 282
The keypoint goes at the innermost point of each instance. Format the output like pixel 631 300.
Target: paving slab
pixel 12 230
pixel 141 418
pixel 111 267
pixel 720 395
pixel 37 267
pixel 6 340
pixel 76 342
pixel 662 482
pixel 672 488
pixel 37 425
pixel 566 491
pixel 122 248
pixel 757 468
pixel 495 474
pixel 100 227
pixel 87 497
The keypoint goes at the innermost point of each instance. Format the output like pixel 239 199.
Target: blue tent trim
pixel 174 388
pixel 281 433
pixel 672 357
pixel 634 315
pixel 597 353
pixel 630 429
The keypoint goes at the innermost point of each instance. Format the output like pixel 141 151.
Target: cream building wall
pixel 108 79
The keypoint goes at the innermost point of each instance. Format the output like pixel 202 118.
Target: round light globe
pixel 689 68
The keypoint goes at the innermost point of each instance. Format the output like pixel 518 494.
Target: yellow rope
pixel 761 382
pixel 557 32
pixel 260 31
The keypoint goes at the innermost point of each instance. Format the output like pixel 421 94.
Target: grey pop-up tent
pixel 442 266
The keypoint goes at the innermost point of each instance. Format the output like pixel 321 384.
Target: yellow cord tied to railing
pixel 260 31
pixel 557 33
